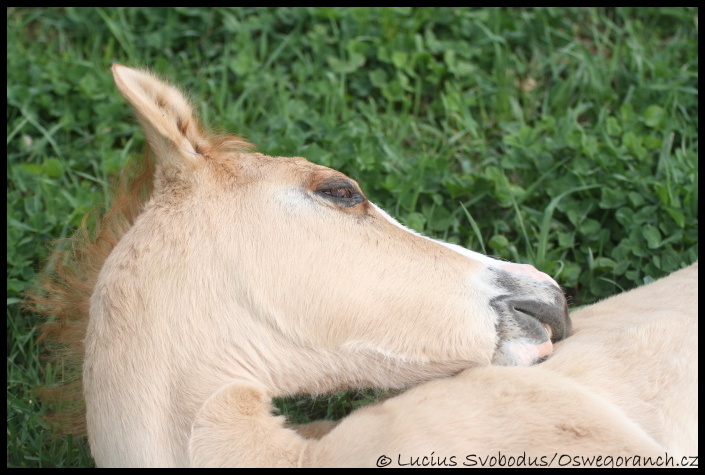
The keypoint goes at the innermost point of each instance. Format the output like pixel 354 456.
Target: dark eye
pixel 345 193
pixel 340 192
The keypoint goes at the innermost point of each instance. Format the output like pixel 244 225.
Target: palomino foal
pixel 247 272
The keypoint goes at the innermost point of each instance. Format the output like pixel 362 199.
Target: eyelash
pixel 342 194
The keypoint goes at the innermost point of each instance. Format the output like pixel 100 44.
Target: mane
pixel 63 289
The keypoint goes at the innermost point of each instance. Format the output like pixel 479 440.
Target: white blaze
pixel 521 269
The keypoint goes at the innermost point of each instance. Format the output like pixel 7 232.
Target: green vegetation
pixel 563 137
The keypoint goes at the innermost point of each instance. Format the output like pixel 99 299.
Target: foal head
pixel 297 248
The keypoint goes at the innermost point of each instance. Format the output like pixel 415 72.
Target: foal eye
pixel 342 194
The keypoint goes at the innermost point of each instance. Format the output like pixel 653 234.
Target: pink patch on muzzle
pixel 526 270
pixel 526 354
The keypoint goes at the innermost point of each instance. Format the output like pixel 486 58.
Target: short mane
pixel 63 290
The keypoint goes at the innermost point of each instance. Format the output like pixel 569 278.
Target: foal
pixel 243 272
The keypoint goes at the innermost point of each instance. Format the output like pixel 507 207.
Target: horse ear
pixel 165 114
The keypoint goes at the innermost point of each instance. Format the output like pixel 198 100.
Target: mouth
pixel 521 353
pixel 525 352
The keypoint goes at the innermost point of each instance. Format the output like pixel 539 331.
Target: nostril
pixel 548 330
pixel 553 317
pixel 536 307
pixel 541 313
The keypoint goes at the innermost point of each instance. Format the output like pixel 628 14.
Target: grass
pixel 564 137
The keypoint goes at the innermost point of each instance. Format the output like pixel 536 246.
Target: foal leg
pixel 235 428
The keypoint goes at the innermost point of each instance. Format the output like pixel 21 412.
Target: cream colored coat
pixel 622 388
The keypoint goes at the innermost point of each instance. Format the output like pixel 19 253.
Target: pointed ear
pixel 165 114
